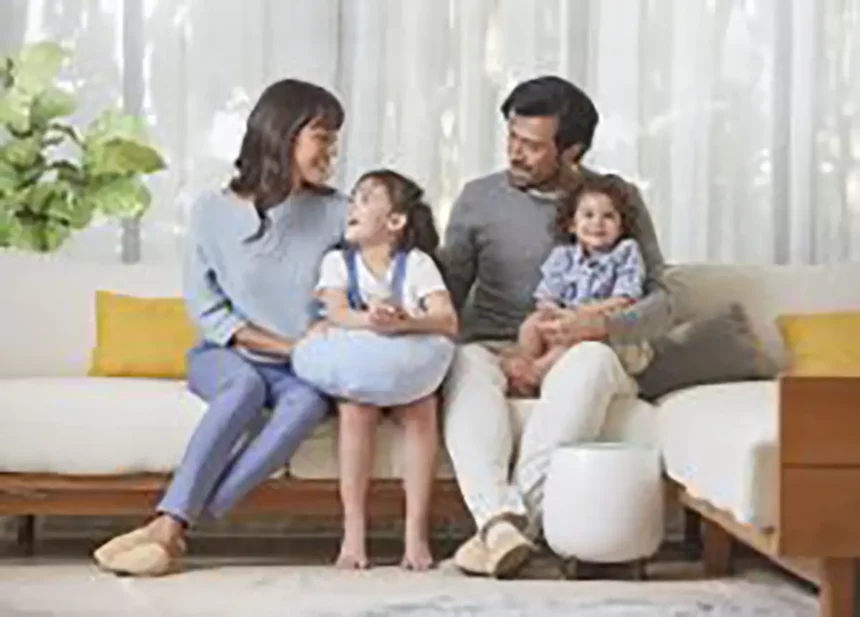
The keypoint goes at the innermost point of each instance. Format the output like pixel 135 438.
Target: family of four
pixel 549 278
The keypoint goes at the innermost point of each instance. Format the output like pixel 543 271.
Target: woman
pixel 254 251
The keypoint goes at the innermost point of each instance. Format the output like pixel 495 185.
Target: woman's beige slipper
pixel 105 554
pixel 150 559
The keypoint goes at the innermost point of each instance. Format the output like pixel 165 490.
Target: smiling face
pixel 371 219
pixel 314 151
pixel 597 223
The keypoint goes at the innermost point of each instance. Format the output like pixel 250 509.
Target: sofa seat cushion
pixel 316 458
pixel 720 443
pixel 95 426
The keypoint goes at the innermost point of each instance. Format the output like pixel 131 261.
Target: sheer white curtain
pixel 738 118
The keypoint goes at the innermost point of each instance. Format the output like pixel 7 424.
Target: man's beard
pixel 519 178
pixel 526 182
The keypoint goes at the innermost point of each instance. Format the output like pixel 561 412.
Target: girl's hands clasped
pixel 386 317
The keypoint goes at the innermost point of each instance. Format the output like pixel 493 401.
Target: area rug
pixel 756 595
pixel 228 590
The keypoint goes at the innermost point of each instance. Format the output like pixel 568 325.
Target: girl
pixel 386 281
pixel 266 231
pixel 597 268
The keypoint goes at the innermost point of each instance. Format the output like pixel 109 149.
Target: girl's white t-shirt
pixel 421 279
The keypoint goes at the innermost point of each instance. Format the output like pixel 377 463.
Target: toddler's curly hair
pixel 619 192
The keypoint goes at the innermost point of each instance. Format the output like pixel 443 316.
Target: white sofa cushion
pixel 720 442
pixel 95 426
pixel 113 426
pixel 47 317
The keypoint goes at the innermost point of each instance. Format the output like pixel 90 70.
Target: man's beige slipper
pixel 508 550
pixel 472 557
pixel 106 553
pixel 150 559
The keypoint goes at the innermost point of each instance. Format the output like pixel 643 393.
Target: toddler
pixel 597 269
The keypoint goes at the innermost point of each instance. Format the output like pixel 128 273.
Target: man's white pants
pixel 479 435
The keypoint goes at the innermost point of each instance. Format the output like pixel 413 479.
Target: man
pixel 499 234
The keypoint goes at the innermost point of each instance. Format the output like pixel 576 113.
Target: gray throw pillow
pixel 713 349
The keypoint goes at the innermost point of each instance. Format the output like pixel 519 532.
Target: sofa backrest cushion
pixel 47 313
pixel 766 292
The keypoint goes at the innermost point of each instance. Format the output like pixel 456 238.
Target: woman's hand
pixel 259 340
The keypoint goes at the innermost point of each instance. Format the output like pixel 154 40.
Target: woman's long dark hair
pixel 264 165
pixel 407 198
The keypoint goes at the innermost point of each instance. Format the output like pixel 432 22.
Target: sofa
pixel 773 463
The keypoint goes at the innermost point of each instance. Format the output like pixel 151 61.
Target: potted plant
pixel 54 178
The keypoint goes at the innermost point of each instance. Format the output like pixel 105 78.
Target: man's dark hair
pixel 553 96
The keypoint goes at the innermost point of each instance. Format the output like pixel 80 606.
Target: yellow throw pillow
pixel 822 343
pixel 141 337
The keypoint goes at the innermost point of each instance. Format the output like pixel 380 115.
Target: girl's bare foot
pixel 417 556
pixel 352 558
pixel 353 553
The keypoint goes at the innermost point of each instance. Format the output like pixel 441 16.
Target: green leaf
pixel 54 233
pixel 9 178
pixel 27 237
pixel 122 197
pixel 37 66
pixel 22 153
pixel 52 103
pixel 38 196
pixel 111 125
pixel 14 200
pixel 60 202
pixel 15 110
pixel 121 157
pixel 66 131
pixel 79 213
pixel 32 174
pixel 7 223
pixel 67 172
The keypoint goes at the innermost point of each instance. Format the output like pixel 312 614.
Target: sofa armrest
pixel 819 466
pixel 819 420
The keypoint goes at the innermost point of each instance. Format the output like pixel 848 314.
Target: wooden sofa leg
pixel 26 535
pixel 692 532
pixel 716 549
pixel 838 592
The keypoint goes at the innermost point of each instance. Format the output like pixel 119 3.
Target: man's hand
pixel 520 371
pixel 547 311
pixel 567 327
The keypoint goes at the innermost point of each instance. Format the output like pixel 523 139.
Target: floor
pixel 264 576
